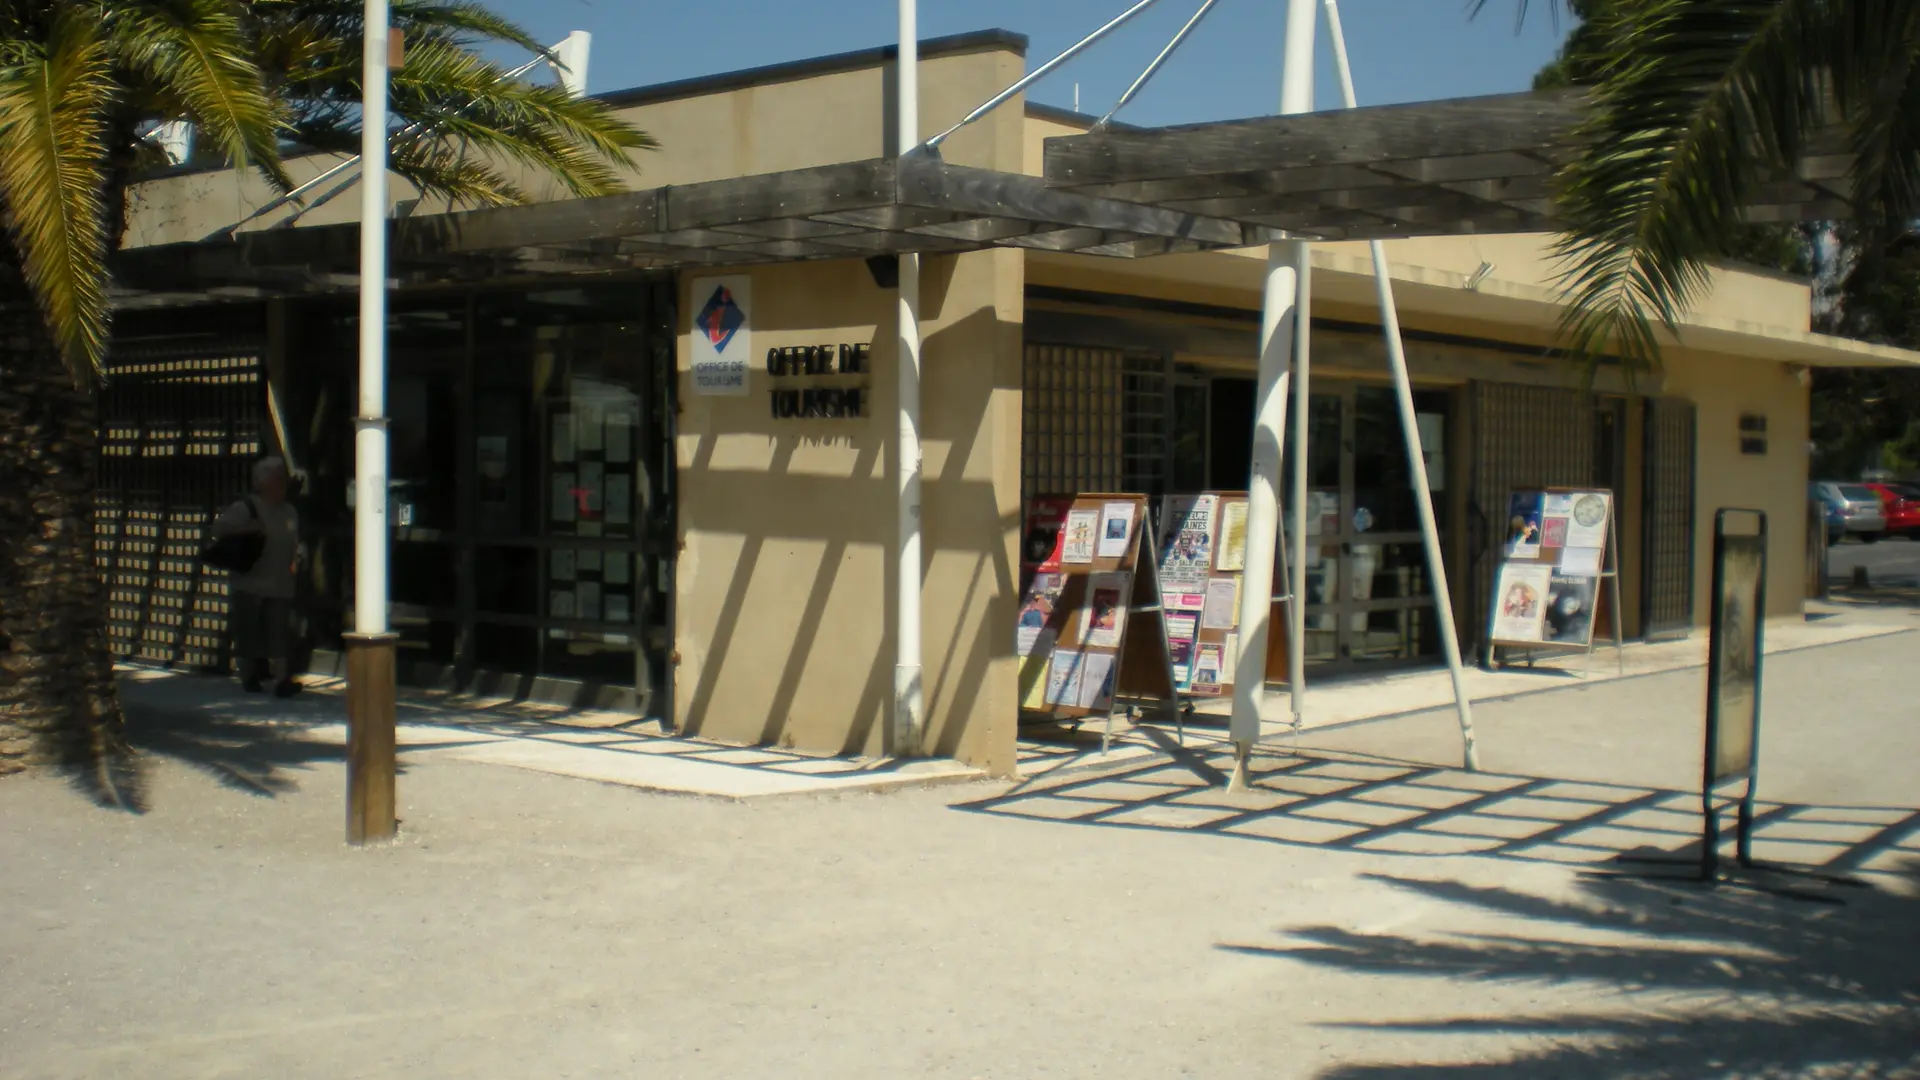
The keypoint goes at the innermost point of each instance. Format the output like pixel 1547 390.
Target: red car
pixel 1902 505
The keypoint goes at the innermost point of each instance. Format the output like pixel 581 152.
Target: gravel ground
pixel 533 926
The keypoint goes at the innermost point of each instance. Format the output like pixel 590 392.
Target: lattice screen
pixel 182 417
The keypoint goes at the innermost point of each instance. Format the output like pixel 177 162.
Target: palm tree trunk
pixel 58 701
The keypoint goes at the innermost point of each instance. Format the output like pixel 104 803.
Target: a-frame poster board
pixel 1090 630
pixel 1561 549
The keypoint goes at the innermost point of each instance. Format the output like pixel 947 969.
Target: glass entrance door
pixel 532 484
pixel 1369 595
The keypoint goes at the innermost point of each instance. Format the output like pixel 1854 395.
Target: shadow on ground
pixel 250 743
pixel 1352 802
pixel 1810 972
pixel 1730 981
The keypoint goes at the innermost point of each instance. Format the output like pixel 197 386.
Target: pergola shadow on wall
pixel 859 209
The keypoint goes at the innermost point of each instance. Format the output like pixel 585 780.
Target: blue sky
pixel 1403 50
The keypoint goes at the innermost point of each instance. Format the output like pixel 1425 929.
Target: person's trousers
pixel 260 628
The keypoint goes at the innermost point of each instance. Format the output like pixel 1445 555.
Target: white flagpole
pixel 1410 427
pixel 1285 258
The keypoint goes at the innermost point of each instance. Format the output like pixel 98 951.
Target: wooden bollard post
pixel 370 737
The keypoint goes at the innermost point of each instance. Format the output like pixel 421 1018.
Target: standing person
pixel 260 604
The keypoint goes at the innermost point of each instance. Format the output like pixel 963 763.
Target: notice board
pixel 1558 549
pixel 1081 592
pixel 1199 567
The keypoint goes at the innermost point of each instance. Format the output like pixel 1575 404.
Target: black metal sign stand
pixel 1736 662
pixel 1726 624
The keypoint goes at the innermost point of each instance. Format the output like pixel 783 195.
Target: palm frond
pixel 1875 60
pixel 1698 104
pixel 197 52
pixel 54 98
pixel 450 92
pixel 443 167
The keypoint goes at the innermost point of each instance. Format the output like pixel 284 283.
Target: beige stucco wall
pixel 785 579
pixel 790 123
pixel 1722 388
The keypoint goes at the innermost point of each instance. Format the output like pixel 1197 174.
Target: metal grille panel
pixel 1525 437
pixel 1071 421
pixel 1670 517
pixel 182 417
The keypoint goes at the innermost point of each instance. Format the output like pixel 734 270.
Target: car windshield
pixel 1856 493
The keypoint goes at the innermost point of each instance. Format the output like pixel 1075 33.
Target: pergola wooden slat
pixel 1471 165
pixel 849 210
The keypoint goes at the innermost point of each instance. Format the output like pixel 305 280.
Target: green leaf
pixel 54 98
pixel 197 52
pixel 1698 104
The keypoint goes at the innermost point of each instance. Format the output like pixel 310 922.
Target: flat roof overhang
pixel 854 209
pixel 1466 166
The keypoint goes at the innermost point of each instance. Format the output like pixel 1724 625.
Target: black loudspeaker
pixel 885 270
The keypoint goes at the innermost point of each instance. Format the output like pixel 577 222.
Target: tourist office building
pixel 643 448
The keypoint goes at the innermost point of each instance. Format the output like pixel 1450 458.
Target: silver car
pixel 1859 507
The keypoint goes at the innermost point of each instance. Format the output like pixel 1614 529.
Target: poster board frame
pixel 1736 664
pixel 1608 578
pixel 1066 605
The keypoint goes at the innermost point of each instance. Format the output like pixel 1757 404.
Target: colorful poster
pixel 1096 681
pixel 1581 562
pixel 1063 678
pixel 1033 682
pixel 1223 604
pixel 1035 640
pixel 1557 504
pixel 1232 554
pixel 1570 605
pixel 1082 536
pixel 1116 529
pixel 1106 614
pixel 1181 650
pixel 1186 552
pixel 1589 524
pixel 1182 627
pixel 1520 602
pixel 1208 663
pixel 1523 525
pixel 1187 601
pixel 1553 532
pixel 1036 611
pixel 1045 518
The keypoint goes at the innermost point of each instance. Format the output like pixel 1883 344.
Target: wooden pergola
pixel 1466 166
pixel 857 209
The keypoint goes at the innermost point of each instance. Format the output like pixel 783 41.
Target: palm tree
pixel 1699 105
pixel 83 83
